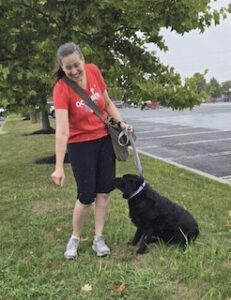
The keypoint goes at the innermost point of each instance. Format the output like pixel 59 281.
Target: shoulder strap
pixel 84 96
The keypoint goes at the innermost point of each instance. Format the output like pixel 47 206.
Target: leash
pixel 124 139
pixel 136 156
pixel 128 139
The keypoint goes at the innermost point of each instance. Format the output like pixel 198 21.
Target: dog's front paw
pixel 134 242
pixel 140 251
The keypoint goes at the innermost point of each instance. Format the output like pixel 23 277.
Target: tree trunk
pixel 45 121
pixel 35 117
pixel 46 127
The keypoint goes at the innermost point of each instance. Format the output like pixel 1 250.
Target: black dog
pixel 156 217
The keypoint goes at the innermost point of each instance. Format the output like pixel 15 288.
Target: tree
pixel 214 88
pixel 226 87
pixel 202 84
pixel 111 33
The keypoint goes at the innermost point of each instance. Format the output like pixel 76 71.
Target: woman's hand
pixel 58 177
pixel 128 128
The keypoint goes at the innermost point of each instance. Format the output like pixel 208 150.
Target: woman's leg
pixel 79 217
pixel 100 212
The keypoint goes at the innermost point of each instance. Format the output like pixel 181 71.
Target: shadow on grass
pixel 41 131
pixel 51 160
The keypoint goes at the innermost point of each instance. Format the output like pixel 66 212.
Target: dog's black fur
pixel 156 217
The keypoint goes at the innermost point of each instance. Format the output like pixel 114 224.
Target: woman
pixel 86 138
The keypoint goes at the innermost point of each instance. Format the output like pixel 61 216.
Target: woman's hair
pixel 65 50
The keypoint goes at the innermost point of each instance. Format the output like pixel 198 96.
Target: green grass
pixel 35 223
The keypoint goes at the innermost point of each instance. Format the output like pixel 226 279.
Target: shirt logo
pixel 93 95
pixel 80 103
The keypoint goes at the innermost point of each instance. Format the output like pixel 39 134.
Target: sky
pixel 194 52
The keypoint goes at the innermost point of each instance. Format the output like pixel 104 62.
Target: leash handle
pixel 137 158
pixel 125 136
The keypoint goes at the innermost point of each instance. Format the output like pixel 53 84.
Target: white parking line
pixel 148 147
pixel 159 129
pixel 224 153
pixel 145 131
pixel 148 126
pixel 226 177
pixel 180 134
pixel 204 141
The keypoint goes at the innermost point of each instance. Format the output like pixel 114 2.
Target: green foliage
pixel 112 34
pixel 214 88
pixel 226 87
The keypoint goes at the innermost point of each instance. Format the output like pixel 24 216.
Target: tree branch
pixel 40 12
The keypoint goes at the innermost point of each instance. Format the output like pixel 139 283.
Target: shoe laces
pixel 100 243
pixel 73 243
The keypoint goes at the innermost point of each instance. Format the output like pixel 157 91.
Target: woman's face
pixel 73 67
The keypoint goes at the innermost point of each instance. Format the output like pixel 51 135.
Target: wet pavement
pixel 199 138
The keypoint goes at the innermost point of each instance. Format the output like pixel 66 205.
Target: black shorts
pixel 93 165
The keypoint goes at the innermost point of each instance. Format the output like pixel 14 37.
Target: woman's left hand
pixel 128 128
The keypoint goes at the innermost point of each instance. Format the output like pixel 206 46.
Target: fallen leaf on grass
pixel 229 213
pixel 120 288
pixel 227 225
pixel 44 264
pixel 86 288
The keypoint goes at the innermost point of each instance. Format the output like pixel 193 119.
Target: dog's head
pixel 128 184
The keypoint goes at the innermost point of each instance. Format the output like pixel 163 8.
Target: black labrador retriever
pixel 156 217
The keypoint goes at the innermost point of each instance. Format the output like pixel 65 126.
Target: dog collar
pixel 138 191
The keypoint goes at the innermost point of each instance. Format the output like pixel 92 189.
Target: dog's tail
pixel 188 237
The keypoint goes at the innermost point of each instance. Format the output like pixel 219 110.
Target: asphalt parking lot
pixel 199 139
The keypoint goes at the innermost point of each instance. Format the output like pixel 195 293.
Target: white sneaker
pixel 100 247
pixel 71 249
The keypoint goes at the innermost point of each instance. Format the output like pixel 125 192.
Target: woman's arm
pixel 61 138
pixel 113 111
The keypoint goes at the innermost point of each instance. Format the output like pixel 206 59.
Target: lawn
pixel 35 223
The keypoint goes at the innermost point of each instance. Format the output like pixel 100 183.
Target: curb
pixel 212 177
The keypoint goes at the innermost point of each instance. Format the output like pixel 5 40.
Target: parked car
pixel 152 105
pixel 227 99
pixel 2 112
pixel 118 103
pixel 51 109
pixel 132 105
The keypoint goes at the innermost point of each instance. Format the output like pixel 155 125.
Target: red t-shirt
pixel 84 124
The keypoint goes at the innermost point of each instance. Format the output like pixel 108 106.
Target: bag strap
pixel 84 96
pixel 96 110
pixel 80 91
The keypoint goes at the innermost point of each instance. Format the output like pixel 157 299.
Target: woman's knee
pixel 104 196
pixel 102 199
pixel 82 206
